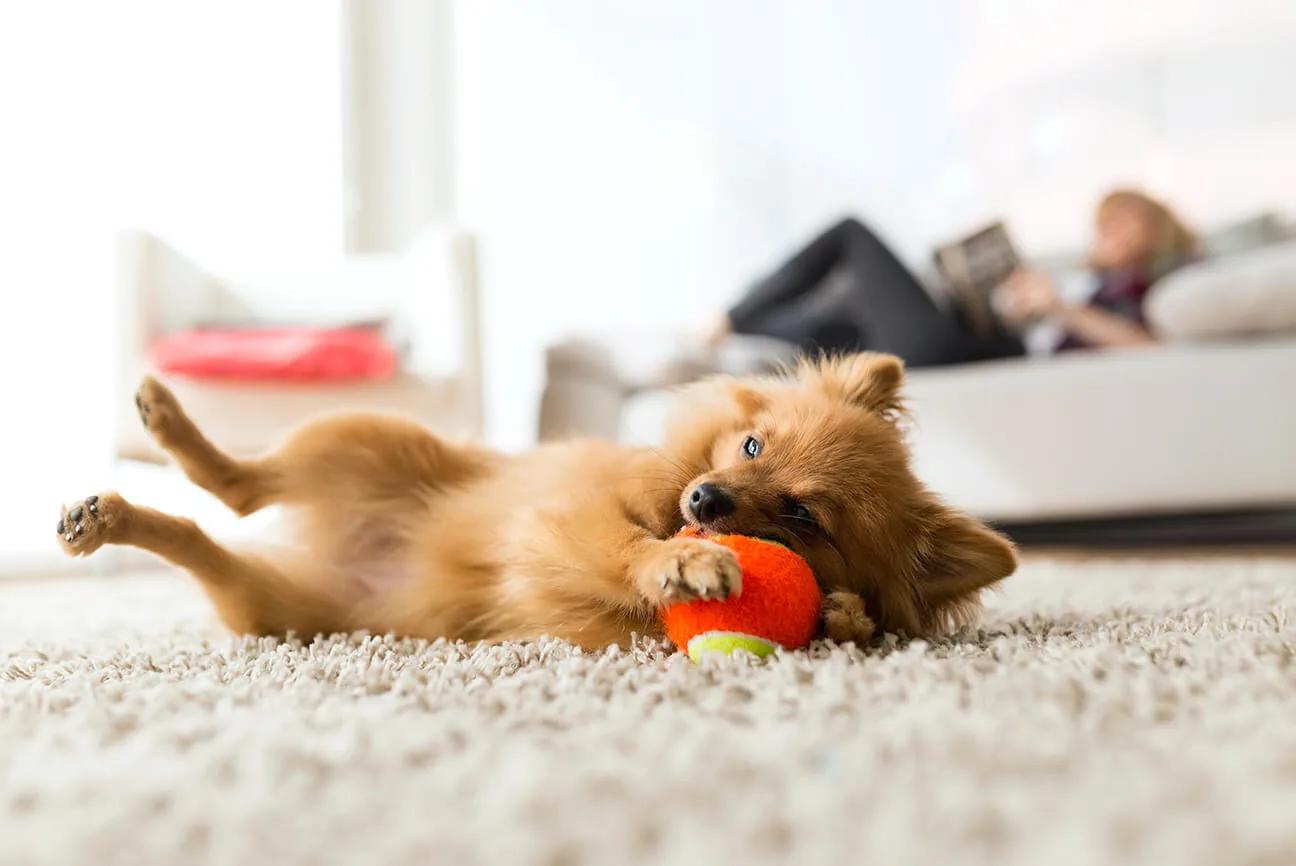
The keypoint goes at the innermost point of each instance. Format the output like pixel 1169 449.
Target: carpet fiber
pixel 1105 712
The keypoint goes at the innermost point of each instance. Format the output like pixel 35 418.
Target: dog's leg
pixel 251 594
pixel 344 459
pixel 235 483
pixel 845 620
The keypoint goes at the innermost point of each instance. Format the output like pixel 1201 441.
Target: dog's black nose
pixel 709 503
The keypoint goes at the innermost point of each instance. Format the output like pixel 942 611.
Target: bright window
pixel 214 124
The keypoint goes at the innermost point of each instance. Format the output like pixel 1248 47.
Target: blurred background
pixel 515 219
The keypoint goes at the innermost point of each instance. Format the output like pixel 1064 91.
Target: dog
pixel 394 530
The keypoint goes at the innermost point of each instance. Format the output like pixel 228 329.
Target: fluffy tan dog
pixel 394 530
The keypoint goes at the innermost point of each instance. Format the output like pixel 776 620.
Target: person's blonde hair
pixel 1173 244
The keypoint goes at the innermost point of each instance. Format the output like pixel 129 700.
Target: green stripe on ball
pixel 726 643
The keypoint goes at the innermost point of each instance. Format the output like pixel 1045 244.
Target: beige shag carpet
pixel 1106 712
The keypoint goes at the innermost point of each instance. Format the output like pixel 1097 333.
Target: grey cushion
pixel 637 362
pixel 1244 294
pixel 1249 234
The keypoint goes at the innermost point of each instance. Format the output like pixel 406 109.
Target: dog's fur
pixel 398 531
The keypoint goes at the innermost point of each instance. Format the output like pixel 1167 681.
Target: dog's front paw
pixel 684 569
pixel 844 618
pixel 90 523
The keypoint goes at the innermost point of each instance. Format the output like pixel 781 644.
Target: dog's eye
pixel 751 447
pixel 799 512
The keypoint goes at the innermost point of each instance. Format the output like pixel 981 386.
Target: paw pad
pixel 82 528
pixel 158 410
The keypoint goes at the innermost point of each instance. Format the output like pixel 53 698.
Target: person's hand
pixel 1026 295
pixel 717 332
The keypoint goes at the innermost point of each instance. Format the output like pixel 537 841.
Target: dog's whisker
pixel 667 478
pixel 675 477
pixel 669 488
pixel 672 461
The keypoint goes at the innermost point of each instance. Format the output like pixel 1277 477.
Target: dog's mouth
pixel 731 527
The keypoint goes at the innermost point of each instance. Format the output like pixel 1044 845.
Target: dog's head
pixel 816 460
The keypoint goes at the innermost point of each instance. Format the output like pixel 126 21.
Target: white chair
pixel 426 295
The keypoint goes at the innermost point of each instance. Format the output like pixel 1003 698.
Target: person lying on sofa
pixel 880 305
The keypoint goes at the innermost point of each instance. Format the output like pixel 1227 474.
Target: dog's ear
pixel 962 556
pixel 748 399
pixel 870 380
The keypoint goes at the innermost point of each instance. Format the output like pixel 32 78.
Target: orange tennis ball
pixel 778 606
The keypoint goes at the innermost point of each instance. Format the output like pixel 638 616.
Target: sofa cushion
pixel 1251 293
pixel 280 354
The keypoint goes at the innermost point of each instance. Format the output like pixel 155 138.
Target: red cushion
pixel 297 354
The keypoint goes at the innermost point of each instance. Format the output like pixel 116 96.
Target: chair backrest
pixel 428 292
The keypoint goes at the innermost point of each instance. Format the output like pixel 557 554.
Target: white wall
pixel 396 115
pixel 633 165
pixel 215 124
pixel 1054 101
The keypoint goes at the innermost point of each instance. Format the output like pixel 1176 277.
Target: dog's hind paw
pixel 845 620
pixel 159 411
pixel 90 523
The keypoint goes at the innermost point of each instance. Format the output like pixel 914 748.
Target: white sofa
pixel 1201 427
pixel 1148 431
pixel 425 296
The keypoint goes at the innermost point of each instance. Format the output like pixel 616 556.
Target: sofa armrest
pixel 582 394
pixel 588 381
pixel 427 294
